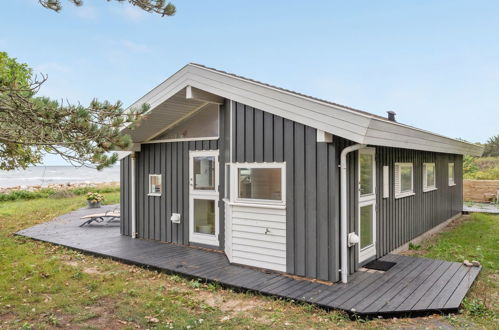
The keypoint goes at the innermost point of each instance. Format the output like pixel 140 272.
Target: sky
pixel 435 63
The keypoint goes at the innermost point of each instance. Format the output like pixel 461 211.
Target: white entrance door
pixel 367 204
pixel 203 197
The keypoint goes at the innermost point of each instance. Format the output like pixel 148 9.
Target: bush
pixel 483 168
pixel 53 193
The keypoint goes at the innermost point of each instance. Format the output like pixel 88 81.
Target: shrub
pixel 484 168
pixel 94 197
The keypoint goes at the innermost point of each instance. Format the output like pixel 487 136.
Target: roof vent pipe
pixel 391 115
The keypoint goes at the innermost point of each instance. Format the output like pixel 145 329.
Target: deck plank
pixel 457 296
pixel 436 288
pixel 380 287
pixel 408 291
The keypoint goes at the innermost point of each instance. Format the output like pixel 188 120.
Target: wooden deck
pixel 412 286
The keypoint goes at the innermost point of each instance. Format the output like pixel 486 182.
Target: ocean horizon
pixel 46 175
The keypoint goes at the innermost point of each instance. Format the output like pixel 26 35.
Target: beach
pixel 45 176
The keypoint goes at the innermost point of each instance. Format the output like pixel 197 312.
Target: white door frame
pixel 366 200
pixel 205 195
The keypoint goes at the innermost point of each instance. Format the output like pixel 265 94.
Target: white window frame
pixel 426 187
pixel 451 180
pixel 151 193
pixel 398 175
pixel 234 191
pixel 368 251
pixel 201 194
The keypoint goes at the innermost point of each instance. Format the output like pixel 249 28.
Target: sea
pixel 45 175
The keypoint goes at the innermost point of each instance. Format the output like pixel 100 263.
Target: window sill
pixel 154 194
pixel 429 189
pixel 405 195
pixel 256 205
pixel 452 184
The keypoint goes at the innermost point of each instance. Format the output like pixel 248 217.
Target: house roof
pixel 169 105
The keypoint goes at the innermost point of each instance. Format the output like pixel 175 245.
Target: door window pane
pixel 204 216
pixel 260 183
pixel 366 174
pixel 366 226
pixel 204 173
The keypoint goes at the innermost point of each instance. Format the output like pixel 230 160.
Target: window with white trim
pixel 404 180
pixel 429 177
pixel 452 181
pixel 259 183
pixel 155 185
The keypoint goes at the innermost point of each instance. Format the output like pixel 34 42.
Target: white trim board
pixel 331 118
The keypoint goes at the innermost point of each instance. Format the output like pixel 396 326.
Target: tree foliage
pixel 31 126
pixel 161 7
pixel 492 147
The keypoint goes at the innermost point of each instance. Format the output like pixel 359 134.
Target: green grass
pixel 47 286
pixel 43 285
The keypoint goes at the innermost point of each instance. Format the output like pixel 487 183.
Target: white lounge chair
pixel 108 216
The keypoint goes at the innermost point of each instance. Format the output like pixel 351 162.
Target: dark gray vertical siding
pixel 171 160
pixel 311 231
pixel 312 189
pixel 125 195
pixel 403 219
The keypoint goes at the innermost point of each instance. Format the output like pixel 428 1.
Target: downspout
pixel 133 199
pixel 343 209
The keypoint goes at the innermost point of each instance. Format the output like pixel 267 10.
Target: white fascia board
pixel 336 120
pixel 123 154
pixel 403 136
pixel 163 91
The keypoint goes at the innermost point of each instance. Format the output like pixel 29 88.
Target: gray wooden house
pixel 280 180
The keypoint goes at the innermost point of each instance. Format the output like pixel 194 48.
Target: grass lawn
pixel 46 286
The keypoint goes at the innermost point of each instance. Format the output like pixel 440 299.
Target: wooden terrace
pixel 413 286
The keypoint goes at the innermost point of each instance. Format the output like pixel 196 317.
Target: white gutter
pixel 132 201
pixel 343 209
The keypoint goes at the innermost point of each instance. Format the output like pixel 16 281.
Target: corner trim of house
pixel 426 234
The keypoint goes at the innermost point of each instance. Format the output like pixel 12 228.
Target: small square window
pixel 404 181
pixel 155 184
pixel 429 179
pixel 452 181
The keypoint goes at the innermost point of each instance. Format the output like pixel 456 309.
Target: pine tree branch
pixel 160 7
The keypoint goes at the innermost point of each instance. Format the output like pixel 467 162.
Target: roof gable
pixel 349 123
